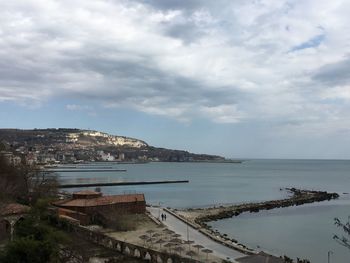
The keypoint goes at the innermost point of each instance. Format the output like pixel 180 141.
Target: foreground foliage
pixel 35 240
pixel 25 183
pixel 344 239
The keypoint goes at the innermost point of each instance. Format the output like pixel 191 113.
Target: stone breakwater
pixel 298 197
pixel 199 217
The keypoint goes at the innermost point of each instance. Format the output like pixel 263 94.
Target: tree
pixel 24 183
pixel 35 241
pixel 12 184
pixel 344 238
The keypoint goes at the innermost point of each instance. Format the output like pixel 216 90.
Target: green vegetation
pixel 37 237
pixel 34 239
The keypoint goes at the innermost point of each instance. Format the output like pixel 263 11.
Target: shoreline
pixel 200 217
pixel 219 239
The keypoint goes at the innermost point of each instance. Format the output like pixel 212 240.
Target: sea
pixel 301 231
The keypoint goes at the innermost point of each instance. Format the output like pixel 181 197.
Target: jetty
pixel 84 170
pixel 298 197
pixel 122 183
pixel 198 218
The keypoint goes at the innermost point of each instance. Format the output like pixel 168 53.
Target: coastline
pixel 217 238
pixel 200 217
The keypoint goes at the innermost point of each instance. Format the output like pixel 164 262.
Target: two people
pixel 163 217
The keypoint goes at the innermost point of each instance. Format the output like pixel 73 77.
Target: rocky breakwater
pixel 298 197
pixel 199 217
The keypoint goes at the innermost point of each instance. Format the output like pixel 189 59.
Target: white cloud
pixel 75 107
pixel 223 113
pixel 227 62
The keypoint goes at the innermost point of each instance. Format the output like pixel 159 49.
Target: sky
pixel 238 78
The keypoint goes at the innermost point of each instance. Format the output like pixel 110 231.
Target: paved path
pixel 180 227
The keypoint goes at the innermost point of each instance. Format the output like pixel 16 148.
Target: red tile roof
pixel 14 209
pixel 103 200
pixel 62 210
pixel 87 192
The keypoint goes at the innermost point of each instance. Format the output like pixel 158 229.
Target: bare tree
pixel 344 238
pixel 25 183
pixel 11 184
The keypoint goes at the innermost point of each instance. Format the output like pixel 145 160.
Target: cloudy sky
pixel 240 78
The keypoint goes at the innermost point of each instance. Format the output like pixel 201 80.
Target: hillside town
pixel 60 156
pixel 64 146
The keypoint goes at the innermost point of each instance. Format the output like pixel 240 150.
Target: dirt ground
pixel 154 233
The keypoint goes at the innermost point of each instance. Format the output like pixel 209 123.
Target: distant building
pixel 106 156
pixel 84 206
pixel 65 157
pixel 46 158
pixel 121 157
pixel 31 158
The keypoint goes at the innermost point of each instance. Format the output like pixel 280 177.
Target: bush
pixel 28 250
pixel 119 222
pixel 35 241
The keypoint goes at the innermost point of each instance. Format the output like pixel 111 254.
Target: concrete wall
pixel 84 219
pixel 125 208
pixel 131 250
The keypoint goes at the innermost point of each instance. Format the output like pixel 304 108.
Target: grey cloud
pixel 188 32
pixel 138 81
pixel 190 5
pixel 174 4
pixel 334 74
pixel 97 54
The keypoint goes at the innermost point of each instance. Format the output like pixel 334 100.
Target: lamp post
pixel 159 211
pixel 188 233
pixel 329 253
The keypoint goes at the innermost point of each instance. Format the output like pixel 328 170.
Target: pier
pixel 299 197
pixel 122 183
pixel 85 170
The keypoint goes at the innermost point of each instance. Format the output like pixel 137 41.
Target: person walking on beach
pixel 164 217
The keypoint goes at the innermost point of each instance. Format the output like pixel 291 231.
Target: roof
pixel 260 258
pixel 71 219
pixel 14 209
pixel 103 200
pixel 87 192
pixel 69 211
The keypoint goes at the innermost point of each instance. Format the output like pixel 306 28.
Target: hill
pixel 74 145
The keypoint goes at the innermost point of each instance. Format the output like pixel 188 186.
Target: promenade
pixel 181 228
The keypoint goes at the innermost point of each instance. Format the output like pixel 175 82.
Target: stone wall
pixel 123 208
pixel 129 249
pixel 84 219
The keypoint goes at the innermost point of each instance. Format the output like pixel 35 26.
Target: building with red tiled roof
pixel 85 205
pixel 86 194
pixel 9 215
pixel 14 209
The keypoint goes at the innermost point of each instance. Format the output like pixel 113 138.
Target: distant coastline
pixel 70 146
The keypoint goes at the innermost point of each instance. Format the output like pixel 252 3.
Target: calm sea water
pixel 304 232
